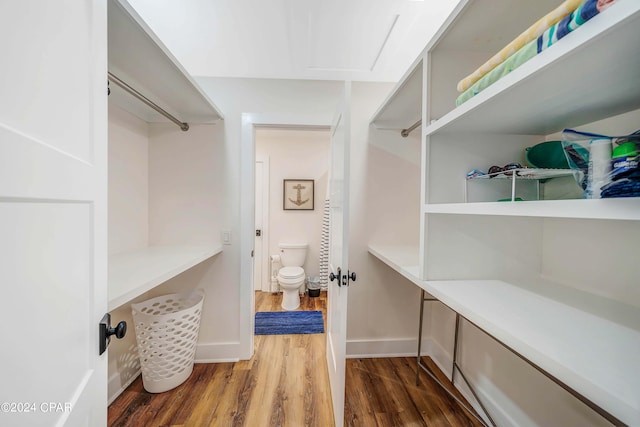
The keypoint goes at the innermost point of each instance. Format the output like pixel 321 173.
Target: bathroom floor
pixel 285 384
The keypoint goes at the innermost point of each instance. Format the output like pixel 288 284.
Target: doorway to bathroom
pixel 288 155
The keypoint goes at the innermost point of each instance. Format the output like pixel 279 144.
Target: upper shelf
pixel 133 273
pixel 592 74
pixel 138 57
pixel 403 106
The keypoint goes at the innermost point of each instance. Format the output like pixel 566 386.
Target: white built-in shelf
pixel 403 259
pixel 137 56
pixel 591 74
pixel 403 106
pixel 133 273
pixel 626 208
pixel 589 343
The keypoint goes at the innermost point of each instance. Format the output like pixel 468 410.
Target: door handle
pixel 106 330
pixel 333 277
pixel 349 276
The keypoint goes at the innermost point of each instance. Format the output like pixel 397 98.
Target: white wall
pixel 165 188
pixel 295 154
pixel 128 181
pixel 383 308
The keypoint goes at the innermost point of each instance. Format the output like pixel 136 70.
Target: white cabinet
pixel 137 57
pixel 515 269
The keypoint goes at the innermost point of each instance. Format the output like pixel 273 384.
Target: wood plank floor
pixel 286 384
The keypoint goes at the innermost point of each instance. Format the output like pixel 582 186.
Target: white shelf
pixel 403 259
pixel 138 57
pixel 614 209
pixel 591 74
pixel 589 343
pixel 403 106
pixel 133 273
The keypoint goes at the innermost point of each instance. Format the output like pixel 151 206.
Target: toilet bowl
pixel 291 275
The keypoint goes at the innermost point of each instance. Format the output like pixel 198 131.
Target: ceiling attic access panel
pixel 138 57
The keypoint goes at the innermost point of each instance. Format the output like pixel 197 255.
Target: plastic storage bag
pixel 609 164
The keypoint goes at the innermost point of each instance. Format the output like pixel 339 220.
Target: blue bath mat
pixel 289 322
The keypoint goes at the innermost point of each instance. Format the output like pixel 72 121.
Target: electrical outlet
pixel 226 237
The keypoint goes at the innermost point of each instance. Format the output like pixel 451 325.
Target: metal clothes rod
pixel 405 132
pixel 183 126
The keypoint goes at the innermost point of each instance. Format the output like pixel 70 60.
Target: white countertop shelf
pixel 572 83
pixel 133 273
pixel 137 56
pixel 403 259
pixel 589 343
pixel 625 208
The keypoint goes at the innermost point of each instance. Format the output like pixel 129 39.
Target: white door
pixel 339 253
pixel 53 182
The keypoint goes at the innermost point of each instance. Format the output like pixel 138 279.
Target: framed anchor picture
pixel 298 195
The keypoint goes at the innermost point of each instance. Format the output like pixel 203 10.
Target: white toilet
pixel 291 275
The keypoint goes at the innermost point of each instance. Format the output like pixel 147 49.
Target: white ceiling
pixel 361 40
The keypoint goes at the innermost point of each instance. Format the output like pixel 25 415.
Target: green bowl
pixel 549 154
pixel 628 149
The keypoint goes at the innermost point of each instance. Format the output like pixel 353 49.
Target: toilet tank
pixel 293 254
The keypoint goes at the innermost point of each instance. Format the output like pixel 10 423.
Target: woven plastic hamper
pixel 167 331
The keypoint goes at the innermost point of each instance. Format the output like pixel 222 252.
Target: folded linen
pixel 587 10
pixel 514 61
pixel 527 36
pixel 583 13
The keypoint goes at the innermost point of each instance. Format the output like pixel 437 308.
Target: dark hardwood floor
pixel 286 384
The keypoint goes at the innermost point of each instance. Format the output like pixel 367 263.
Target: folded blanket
pixel 514 61
pixel 585 11
pixel 582 14
pixel 622 188
pixel 530 34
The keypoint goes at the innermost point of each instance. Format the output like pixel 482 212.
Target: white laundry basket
pixel 166 331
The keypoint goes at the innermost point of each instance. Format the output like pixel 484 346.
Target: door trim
pixel 247 206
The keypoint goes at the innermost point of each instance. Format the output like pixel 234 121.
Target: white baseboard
pixel 217 352
pixel 114 384
pixel 395 347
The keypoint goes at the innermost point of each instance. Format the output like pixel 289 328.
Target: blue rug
pixel 289 322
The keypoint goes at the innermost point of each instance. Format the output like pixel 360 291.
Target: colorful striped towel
pixel 519 42
pixel 582 14
pixel 585 11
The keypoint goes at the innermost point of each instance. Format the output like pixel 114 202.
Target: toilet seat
pixel 291 273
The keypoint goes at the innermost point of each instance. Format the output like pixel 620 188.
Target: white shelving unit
pixel 133 273
pixel 583 333
pixel 403 259
pixel 137 57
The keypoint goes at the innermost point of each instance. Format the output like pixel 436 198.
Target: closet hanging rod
pixel 405 132
pixel 184 126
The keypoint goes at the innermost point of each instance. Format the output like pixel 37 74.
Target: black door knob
pixel 338 276
pixel 352 276
pixel 106 331
pixel 119 331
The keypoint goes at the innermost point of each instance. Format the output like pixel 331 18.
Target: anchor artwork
pixel 298 194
